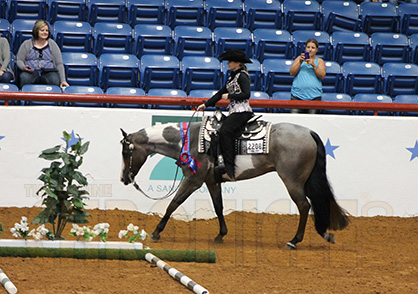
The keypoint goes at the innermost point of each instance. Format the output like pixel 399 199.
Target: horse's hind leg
pixel 187 187
pixel 216 195
pixel 297 194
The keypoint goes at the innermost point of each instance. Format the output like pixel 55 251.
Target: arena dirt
pixel 373 255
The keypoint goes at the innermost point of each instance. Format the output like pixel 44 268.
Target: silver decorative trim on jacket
pixel 233 87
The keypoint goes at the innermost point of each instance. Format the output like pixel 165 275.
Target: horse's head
pixel 133 157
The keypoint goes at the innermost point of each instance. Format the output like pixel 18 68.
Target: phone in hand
pixel 306 55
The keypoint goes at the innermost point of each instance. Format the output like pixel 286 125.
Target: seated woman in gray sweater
pixel 39 59
pixel 6 73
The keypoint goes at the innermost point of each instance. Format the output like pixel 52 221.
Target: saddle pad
pixel 253 140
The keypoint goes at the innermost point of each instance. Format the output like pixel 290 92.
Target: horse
pixel 296 153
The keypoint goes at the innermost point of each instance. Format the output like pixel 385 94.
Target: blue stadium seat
pixel 21 29
pixel 325 47
pixel 204 94
pixel 200 72
pixel 3 9
pixel 336 97
pixel 118 70
pixel 263 14
pixel 185 13
pixel 276 75
pixel 42 89
pixel 191 40
pixel 152 39
pixel 112 38
pixel 351 46
pixel 271 43
pixel 73 36
pixel 260 96
pixel 68 10
pixel 334 80
pixel 254 71
pixel 126 91
pixel 400 78
pixel 5 30
pixel 409 99
pixel 390 47
pixel 224 13
pixel 160 71
pixel 302 15
pixel 81 68
pixel 372 98
pixel 408 12
pixel 362 77
pixel 379 17
pixel 84 90
pixel 9 88
pixel 281 96
pixel 168 93
pixel 340 16
pixel 227 38
pixel 27 9
pixel 413 40
pixel 107 11
pixel 146 12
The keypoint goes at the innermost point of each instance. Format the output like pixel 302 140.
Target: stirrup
pixel 221 163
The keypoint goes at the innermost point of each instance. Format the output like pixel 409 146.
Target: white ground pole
pixel 7 284
pixel 175 274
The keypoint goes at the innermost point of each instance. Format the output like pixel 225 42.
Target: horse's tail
pixel 327 213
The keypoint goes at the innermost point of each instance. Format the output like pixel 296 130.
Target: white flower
pixel 42 230
pixel 74 228
pixel 24 219
pixel 32 232
pixel 143 234
pixel 122 233
pixel 13 230
pixel 130 227
pixel 79 232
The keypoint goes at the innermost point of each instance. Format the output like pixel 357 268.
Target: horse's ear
pixel 124 134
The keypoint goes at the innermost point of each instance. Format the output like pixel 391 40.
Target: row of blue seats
pixel 189 40
pixel 292 15
pixel 351 78
pixel 199 72
pixel 327 97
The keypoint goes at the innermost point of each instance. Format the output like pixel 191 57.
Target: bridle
pixel 131 177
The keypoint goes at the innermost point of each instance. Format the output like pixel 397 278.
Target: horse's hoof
pixel 218 240
pixel 155 238
pixel 290 246
pixel 330 237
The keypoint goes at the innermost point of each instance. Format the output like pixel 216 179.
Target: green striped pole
pixel 7 284
pixel 175 274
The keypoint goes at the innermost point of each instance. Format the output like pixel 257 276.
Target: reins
pixel 172 190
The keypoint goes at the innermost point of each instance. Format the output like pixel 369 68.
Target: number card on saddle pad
pixel 254 139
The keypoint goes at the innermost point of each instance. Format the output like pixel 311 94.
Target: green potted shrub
pixel 63 188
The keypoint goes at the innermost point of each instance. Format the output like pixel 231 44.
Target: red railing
pixel 190 101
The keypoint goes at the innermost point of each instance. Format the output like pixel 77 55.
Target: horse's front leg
pixel 187 187
pixel 216 195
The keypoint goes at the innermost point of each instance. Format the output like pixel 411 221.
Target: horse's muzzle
pixel 125 180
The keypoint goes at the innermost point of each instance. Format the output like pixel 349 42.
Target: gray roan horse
pixel 296 153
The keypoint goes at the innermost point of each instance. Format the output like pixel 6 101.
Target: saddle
pixel 253 138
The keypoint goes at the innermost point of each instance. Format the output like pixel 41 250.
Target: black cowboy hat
pixel 235 55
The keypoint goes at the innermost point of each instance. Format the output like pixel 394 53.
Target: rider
pixel 237 91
